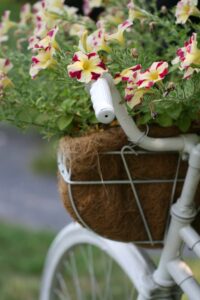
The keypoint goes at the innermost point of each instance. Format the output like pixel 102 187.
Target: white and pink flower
pixel 5 26
pixel 156 73
pixel 25 14
pixel 44 59
pixel 48 41
pixel 5 67
pixel 119 35
pixel 94 42
pixel 135 12
pixel 86 67
pixel 188 56
pixel 185 9
pixel 46 49
pixel 88 5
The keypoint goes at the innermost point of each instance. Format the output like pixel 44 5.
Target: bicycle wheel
pixel 83 266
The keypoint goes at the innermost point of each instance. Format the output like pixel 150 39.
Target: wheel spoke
pixel 87 272
pixel 63 286
pixel 108 294
pixel 59 294
pixel 76 281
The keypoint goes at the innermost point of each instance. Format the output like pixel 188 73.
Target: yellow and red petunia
pixel 155 73
pixel 46 49
pixel 129 75
pixel 86 67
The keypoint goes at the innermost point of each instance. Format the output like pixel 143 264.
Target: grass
pixel 22 254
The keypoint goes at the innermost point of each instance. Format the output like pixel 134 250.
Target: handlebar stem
pixel 182 143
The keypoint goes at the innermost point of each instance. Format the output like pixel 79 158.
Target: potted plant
pixel 52 53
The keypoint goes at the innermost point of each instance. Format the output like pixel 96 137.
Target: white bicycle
pixel 82 265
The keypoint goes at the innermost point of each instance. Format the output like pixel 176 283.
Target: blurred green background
pixel 22 251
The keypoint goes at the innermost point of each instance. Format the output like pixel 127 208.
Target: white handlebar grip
pixel 102 101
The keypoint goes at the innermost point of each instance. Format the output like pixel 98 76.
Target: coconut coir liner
pixel 111 210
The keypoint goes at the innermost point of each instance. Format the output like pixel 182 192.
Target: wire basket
pixel 133 205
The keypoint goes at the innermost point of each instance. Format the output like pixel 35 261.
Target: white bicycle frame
pixel 171 270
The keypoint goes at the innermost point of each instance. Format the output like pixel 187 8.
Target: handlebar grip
pixel 102 101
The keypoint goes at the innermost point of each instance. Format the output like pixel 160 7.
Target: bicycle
pixel 124 271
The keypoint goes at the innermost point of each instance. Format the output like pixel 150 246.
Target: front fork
pixel 171 271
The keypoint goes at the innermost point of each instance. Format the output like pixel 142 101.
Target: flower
pixel 185 9
pixel 42 61
pixel 77 29
pixel 156 72
pixel 5 67
pixel 55 8
pixel 134 95
pixel 94 42
pixel 188 55
pixel 119 35
pixel 47 48
pixel 5 26
pixel 48 41
pixel 136 12
pixel 25 14
pixel 130 74
pixel 86 67
pixel 88 5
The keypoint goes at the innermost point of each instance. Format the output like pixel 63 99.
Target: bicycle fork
pixel 172 273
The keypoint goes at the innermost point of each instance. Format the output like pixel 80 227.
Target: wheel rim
pixel 86 272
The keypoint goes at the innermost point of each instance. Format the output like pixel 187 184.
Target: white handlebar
pixel 102 101
pixel 107 102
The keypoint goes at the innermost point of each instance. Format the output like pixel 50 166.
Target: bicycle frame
pixel 171 270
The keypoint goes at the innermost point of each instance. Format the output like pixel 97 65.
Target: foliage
pixel 57 104
pixel 22 256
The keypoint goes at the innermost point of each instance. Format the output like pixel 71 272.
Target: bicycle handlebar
pixel 107 102
pixel 102 101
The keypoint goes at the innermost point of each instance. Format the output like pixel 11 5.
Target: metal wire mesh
pixel 130 149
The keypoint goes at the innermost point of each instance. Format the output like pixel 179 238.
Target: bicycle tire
pixel 105 269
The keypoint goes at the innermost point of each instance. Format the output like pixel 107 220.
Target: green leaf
pixel 67 104
pixel 184 123
pixel 174 110
pixel 64 122
pixel 144 119
pixel 164 120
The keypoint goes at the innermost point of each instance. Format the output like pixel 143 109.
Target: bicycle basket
pixel 116 190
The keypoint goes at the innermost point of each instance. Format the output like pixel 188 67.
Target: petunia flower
pixel 94 42
pixel 135 12
pixel 134 95
pixel 113 16
pixel 55 8
pixel 48 41
pixel 129 75
pixel 156 72
pixel 119 35
pixel 77 29
pixel 44 59
pixel 5 67
pixel 5 26
pixel 188 55
pixel 185 9
pixel 88 5
pixel 86 67
pixel 25 14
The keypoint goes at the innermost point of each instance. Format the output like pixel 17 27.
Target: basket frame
pixel 130 149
